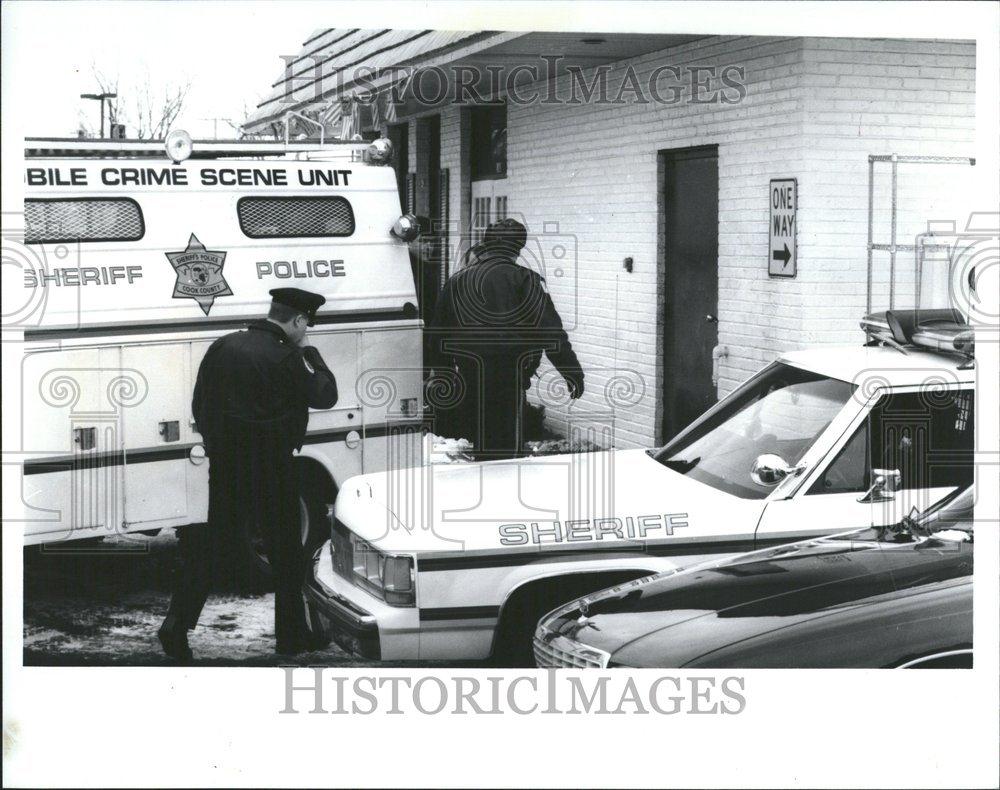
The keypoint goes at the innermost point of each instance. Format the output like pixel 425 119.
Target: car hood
pixel 513 506
pixel 677 619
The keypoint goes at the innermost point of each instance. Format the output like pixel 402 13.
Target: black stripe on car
pixel 460 613
pixel 609 551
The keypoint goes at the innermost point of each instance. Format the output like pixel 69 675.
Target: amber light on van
pixel 406 228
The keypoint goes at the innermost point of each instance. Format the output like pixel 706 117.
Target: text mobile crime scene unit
pixel 144 260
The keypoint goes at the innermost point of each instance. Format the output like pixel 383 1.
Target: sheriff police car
pixel 138 255
pixel 458 562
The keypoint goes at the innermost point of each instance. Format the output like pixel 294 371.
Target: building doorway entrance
pixel 689 255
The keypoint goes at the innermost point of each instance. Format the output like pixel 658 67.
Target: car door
pixel 926 437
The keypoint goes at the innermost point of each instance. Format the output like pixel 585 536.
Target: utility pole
pixel 101 97
pixel 215 125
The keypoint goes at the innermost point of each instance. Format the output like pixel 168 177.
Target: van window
pixel 294 217
pixel 82 219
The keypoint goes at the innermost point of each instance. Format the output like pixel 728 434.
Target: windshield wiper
pixel 910 527
pixel 683 467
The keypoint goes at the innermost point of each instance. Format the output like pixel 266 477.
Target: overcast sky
pixel 229 52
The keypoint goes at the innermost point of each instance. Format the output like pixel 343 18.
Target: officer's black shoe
pixel 174 641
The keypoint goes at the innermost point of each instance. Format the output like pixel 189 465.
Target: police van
pixel 140 255
pixel 459 562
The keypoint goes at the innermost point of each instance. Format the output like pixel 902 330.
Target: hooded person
pixel 493 321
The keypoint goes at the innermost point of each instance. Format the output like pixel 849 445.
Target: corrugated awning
pixel 336 64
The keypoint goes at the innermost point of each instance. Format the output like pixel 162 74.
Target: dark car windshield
pixel 782 411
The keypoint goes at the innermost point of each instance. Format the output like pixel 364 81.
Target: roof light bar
pixel 935 330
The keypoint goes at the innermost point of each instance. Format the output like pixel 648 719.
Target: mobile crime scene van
pixel 143 259
pixel 461 561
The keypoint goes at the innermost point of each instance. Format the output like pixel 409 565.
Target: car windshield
pixel 781 411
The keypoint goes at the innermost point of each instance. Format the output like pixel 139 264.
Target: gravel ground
pixel 102 606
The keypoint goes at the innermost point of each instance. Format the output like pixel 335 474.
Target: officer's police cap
pixel 305 302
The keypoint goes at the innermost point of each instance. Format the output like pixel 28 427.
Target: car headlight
pixel 386 576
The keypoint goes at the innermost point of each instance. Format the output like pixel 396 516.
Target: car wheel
pixel 256 575
pixel 513 642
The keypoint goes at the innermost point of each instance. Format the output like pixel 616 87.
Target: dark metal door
pixel 691 283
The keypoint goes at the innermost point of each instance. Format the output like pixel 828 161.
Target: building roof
pixel 334 63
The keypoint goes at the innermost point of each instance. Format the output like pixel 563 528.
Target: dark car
pixel 896 596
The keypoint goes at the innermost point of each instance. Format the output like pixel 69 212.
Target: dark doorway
pixel 399 136
pixel 428 248
pixel 689 244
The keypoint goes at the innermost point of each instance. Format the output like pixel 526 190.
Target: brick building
pixel 662 206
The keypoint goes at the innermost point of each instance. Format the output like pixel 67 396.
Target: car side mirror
pixel 885 484
pixel 770 469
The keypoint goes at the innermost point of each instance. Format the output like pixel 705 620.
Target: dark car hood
pixel 675 619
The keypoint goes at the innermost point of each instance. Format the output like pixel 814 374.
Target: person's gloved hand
pixel 312 356
pixel 574 382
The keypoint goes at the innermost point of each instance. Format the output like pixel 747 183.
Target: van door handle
pixel 170 430
pixel 85 438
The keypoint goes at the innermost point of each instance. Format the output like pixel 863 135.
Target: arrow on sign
pixel 784 255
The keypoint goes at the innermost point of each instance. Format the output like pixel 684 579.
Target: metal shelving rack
pixel 893 247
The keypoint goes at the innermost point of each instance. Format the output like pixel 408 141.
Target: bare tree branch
pixel 153 114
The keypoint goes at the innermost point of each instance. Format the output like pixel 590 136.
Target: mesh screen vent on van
pixel 288 217
pixel 82 219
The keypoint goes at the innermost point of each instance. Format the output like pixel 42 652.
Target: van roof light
pixel 379 152
pixel 179 145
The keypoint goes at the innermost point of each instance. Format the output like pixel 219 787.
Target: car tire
pixel 513 641
pixel 255 574
pixel 514 636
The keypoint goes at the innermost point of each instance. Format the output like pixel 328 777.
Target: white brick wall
pixel 876 97
pixel 815 109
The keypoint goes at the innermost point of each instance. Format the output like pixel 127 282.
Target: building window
pixel 489 142
pixel 82 219
pixel 295 217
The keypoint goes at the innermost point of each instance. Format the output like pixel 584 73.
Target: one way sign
pixel 782 256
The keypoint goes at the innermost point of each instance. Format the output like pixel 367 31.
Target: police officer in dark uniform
pixel 493 320
pixel 251 404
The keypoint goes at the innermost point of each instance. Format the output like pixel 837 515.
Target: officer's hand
pixel 575 384
pixel 312 357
